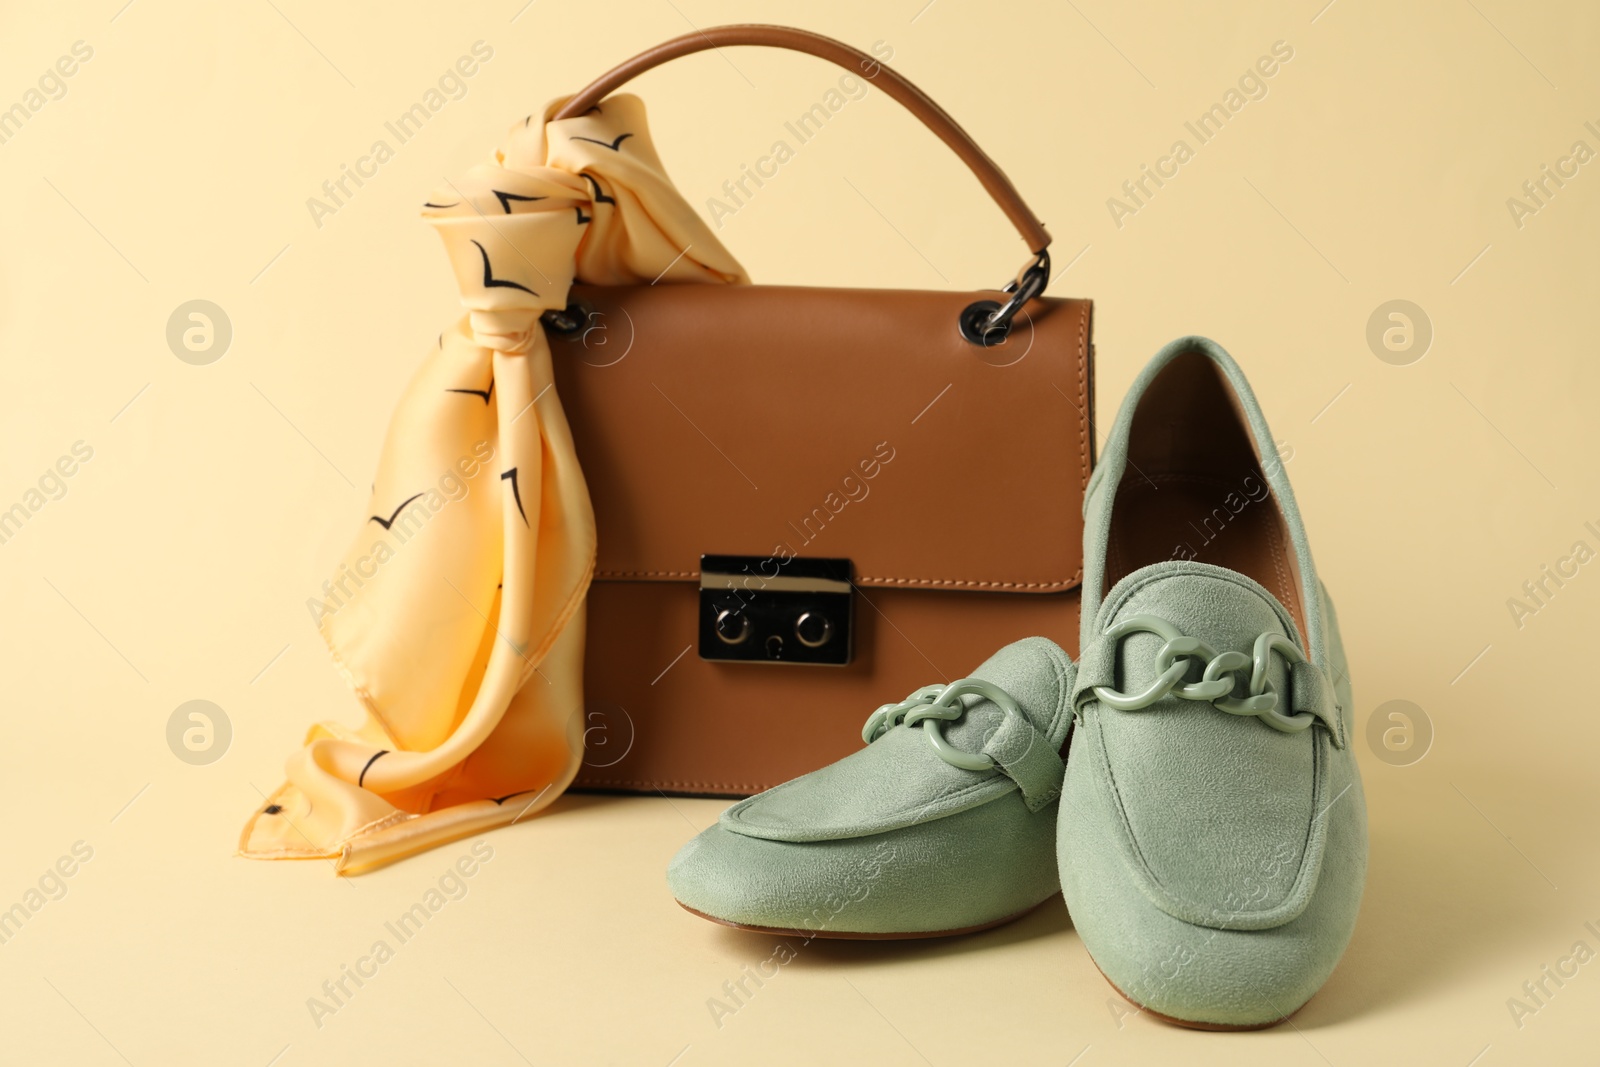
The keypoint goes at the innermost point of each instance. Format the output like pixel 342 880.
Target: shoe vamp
pixel 900 779
pixel 895 782
pixel 1218 807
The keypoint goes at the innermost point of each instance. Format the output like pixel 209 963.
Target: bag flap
pixel 782 421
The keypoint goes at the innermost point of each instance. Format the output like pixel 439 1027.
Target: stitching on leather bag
pixel 634 782
pixel 1063 584
pixel 1083 397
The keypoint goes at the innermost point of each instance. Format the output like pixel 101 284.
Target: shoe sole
pixel 856 935
pixel 1195 1024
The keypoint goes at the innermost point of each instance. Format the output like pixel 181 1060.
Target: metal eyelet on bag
pixel 987 323
pixel 567 322
pixel 976 324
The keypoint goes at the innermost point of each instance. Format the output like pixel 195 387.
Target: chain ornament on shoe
pixel 1218 680
pixel 933 704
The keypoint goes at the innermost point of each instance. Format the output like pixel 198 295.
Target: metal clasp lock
pixel 756 609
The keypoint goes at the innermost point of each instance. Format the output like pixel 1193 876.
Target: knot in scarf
pixel 457 614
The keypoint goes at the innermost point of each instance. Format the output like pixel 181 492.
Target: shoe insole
pixel 1227 522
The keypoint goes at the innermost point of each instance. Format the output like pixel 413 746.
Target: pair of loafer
pixel 1188 784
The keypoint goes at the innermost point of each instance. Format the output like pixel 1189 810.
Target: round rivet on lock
pixel 813 629
pixel 732 627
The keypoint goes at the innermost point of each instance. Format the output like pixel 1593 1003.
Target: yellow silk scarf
pixel 457 614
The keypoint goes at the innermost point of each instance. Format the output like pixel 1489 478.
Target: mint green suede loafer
pixel 943 824
pixel 1215 851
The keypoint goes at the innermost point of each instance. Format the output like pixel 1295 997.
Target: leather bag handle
pixel 915 100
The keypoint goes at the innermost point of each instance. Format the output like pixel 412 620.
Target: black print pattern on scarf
pixel 386 523
pixel 506 198
pixel 598 197
pixel 512 474
pixel 363 777
pixel 483 394
pixel 614 145
pixel 491 282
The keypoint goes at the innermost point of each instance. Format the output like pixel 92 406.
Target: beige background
pixel 176 566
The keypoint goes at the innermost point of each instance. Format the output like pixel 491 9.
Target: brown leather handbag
pixel 810 501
